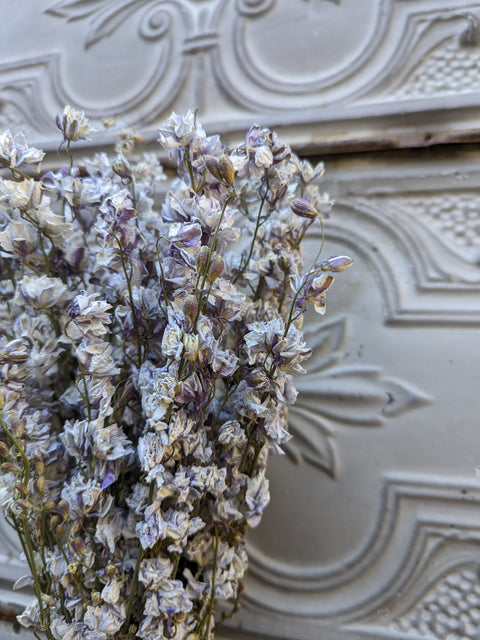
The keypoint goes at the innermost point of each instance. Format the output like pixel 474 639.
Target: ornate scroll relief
pixel 332 393
pixel 439 55
pixel 414 579
pixel 329 68
pixel 425 251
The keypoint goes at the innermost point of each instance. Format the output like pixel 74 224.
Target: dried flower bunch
pixel 146 370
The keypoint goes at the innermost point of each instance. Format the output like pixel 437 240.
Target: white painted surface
pixel 376 534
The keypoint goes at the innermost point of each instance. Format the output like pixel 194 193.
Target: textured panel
pixel 373 530
pixel 329 73
pixel 388 546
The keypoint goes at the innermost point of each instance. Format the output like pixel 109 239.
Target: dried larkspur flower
pixel 146 361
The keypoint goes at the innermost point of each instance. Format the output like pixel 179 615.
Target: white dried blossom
pixel 74 125
pixel 178 130
pixel 41 292
pixel 14 151
pixel 20 195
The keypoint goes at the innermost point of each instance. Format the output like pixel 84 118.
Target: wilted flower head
pixel 178 130
pixel 14 151
pixel 74 125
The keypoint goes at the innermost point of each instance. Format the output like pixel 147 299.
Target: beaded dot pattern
pixel 450 610
pixel 447 69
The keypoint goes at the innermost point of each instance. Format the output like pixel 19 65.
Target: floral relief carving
pixel 336 394
pixel 105 17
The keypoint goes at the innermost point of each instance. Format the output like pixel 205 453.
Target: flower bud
pixel 60 531
pixel 25 504
pixel 49 506
pixel 21 488
pixel 226 170
pixel 213 166
pixel 4 450
pixel 50 601
pixel 216 268
pixel 63 508
pixel 78 546
pixel 40 484
pixel 122 168
pixel 37 527
pixel 303 209
pixel 190 309
pixel 8 466
pixel 337 263
pixel 55 520
pixel 191 345
pixel 202 259
pixel 40 467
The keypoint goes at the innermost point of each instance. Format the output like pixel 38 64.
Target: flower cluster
pixel 147 349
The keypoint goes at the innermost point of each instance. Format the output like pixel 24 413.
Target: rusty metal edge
pixel 406 141
pixel 9 613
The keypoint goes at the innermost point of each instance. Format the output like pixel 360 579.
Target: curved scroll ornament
pixel 356 395
pixel 257 7
pixel 105 17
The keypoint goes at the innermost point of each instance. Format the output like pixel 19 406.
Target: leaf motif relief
pixel 106 17
pixel 355 395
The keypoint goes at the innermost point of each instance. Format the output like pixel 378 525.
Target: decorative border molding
pixel 368 595
pixel 209 54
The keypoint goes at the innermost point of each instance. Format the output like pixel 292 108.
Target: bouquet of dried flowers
pixel 147 352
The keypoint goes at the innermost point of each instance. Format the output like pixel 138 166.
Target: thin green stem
pixel 130 297
pixel 85 387
pixel 19 448
pixel 211 607
pixel 70 157
pixel 15 172
pixel 254 238
pixel 214 243
pixel 136 571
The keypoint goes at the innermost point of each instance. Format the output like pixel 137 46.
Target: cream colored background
pixel 375 533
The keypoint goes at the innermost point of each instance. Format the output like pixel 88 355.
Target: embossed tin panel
pixel 374 526
pixel 330 73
